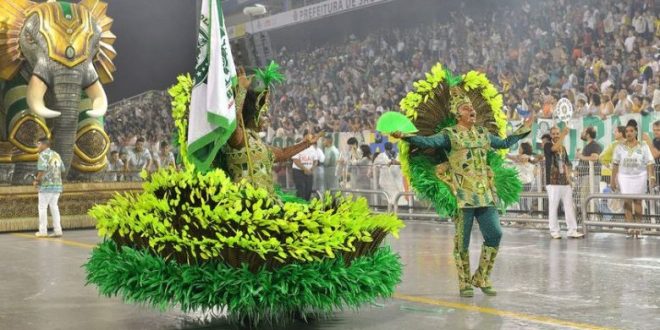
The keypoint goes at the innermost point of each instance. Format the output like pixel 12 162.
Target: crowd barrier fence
pixel 385 190
pixel 617 224
pixel 358 192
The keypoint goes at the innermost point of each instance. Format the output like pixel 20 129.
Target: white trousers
pixel 47 200
pixel 565 194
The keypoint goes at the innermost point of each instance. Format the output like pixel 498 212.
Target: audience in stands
pixel 601 55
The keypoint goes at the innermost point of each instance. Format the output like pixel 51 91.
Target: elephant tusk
pixel 36 91
pixel 99 100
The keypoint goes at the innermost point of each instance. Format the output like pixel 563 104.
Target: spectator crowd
pixel 601 55
pixel 147 115
pixel 140 129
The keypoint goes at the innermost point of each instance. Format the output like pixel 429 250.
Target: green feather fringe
pixel 265 296
pixel 507 183
pixel 426 184
pixel 270 75
pixel 429 187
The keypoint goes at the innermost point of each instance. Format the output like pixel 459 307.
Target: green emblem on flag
pixel 202 67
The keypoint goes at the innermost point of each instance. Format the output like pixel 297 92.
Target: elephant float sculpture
pixel 54 58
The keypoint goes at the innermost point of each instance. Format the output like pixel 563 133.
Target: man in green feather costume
pixel 471 180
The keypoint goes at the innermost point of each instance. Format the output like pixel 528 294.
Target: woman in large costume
pixel 460 124
pixel 227 241
pixel 245 155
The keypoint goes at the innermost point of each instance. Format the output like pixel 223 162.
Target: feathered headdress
pixel 269 76
pixel 434 102
pixel 457 96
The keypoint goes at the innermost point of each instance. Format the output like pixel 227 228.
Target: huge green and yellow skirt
pixel 199 242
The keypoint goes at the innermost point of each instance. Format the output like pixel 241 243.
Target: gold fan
pixel 103 60
pixel 12 17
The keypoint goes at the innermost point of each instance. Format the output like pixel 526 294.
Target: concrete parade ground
pixel 603 282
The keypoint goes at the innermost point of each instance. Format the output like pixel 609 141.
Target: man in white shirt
pixel 604 85
pixel 608 24
pixel 304 164
pixel 629 43
pixel 115 167
pixel 319 170
pixel 140 159
pixel 655 103
pixel 348 158
pixel 591 21
pixel 330 163
pixel 165 157
pixel 623 104
pixel 639 23
pixel 388 173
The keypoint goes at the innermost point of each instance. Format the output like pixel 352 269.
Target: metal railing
pixel 121 176
pixel 387 196
pixel 533 206
pixel 587 223
pixel 411 214
pixel 432 215
pixel 140 97
pixel 528 194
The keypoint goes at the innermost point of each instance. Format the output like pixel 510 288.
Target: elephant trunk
pixel 64 97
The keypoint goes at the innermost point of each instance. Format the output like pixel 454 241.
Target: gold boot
pixel 462 260
pixel 481 278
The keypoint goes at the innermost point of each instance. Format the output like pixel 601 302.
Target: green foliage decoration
pixel 193 217
pixel 181 95
pixel 316 287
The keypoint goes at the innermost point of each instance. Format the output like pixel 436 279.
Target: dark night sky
pixel 155 43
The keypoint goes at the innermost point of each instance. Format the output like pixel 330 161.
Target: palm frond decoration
pixel 270 75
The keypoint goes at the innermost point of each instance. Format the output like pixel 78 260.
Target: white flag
pixel 212 117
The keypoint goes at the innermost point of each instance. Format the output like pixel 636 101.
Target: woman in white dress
pixel 388 172
pixel 524 163
pixel 633 169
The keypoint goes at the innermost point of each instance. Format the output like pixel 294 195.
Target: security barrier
pixel 411 214
pixel 540 196
pixel 367 192
pixel 643 197
pixel 383 187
